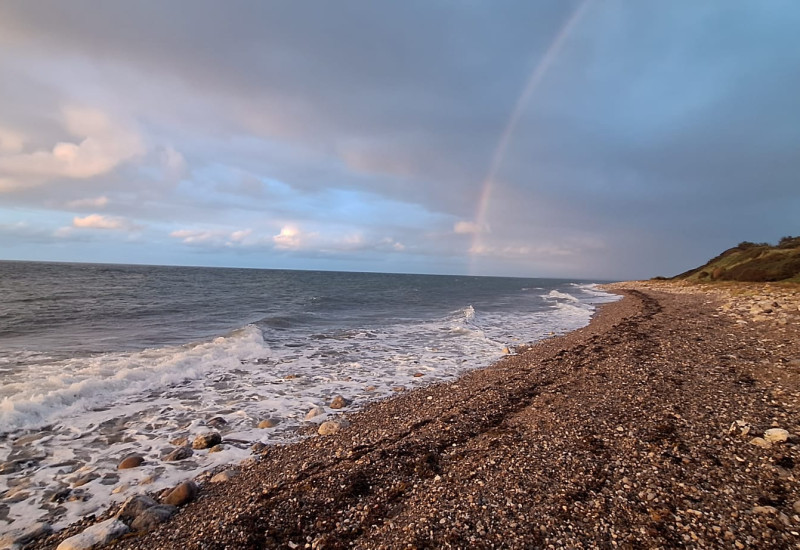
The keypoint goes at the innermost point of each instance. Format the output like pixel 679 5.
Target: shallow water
pixel 98 362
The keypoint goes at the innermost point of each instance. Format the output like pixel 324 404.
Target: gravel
pixel 632 432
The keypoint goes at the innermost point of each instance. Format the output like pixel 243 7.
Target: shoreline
pixel 616 433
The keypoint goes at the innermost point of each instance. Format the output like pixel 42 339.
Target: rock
pixel 316 411
pixel 181 494
pixel 767 510
pixel 132 461
pixel 257 447
pixel 399 388
pixel 339 402
pixel 418 375
pixel 207 440
pixel 181 441
pixel 20 537
pixel 760 442
pixel 217 422
pixel 120 488
pixel 370 388
pixel 776 435
pixel 84 479
pixel 95 536
pixel 216 448
pixel 153 516
pixel 10 467
pixel 224 476
pixel 267 423
pixel 180 453
pixel 331 427
pixel 133 507
pixel 506 351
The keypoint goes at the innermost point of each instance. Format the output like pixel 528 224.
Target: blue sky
pixel 642 137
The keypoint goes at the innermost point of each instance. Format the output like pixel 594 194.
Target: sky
pixel 596 139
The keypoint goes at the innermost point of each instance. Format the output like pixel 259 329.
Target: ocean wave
pixel 66 388
pixel 556 295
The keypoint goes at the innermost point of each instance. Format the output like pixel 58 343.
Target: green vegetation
pixel 752 262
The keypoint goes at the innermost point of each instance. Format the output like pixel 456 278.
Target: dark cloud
pixel 660 132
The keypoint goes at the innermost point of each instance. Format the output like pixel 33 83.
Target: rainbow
pixel 534 80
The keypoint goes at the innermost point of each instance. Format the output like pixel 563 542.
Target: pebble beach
pixel 671 420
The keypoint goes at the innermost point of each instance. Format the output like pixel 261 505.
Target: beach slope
pixel 644 429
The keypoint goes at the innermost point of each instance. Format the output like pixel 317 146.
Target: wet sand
pixel 635 431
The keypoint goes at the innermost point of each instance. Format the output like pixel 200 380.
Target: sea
pixel 98 362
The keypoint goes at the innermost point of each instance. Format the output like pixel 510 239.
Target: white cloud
pixel 98 221
pixel 291 238
pixel 193 236
pixel 104 144
pixel 470 228
pixel 93 202
pixel 11 141
pixel 241 235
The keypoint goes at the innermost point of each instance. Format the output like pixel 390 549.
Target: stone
pixel 223 477
pixel 181 441
pixel 18 538
pixel 267 423
pixel 331 427
pixel 217 422
pixel 152 517
pixel 760 442
pixel 257 447
pixel 84 479
pixel 776 435
pixel 339 402
pixel 133 507
pixel 181 494
pixel 399 388
pixel 370 388
pixel 506 351
pixel 767 510
pixel 10 467
pixel 207 440
pixel 314 412
pixel 132 461
pixel 95 536
pixel 180 453
pixel 418 375
pixel 796 506
pixel 217 448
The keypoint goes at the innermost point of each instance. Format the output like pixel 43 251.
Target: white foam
pixel 101 408
pixel 556 295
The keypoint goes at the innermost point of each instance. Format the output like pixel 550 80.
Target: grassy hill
pixel 751 262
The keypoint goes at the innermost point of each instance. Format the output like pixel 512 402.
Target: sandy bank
pixel 636 431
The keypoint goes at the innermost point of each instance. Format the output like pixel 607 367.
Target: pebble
pixel 181 494
pixel 760 442
pixel 267 423
pixel 339 402
pixel 314 412
pixel 223 476
pixel 331 427
pixel 133 507
pixel 796 507
pixel 776 435
pixel 217 448
pixel 132 461
pixel 180 453
pixel 21 537
pixel 217 422
pixel 95 536
pixel 152 517
pixel 207 440
pixel 181 441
